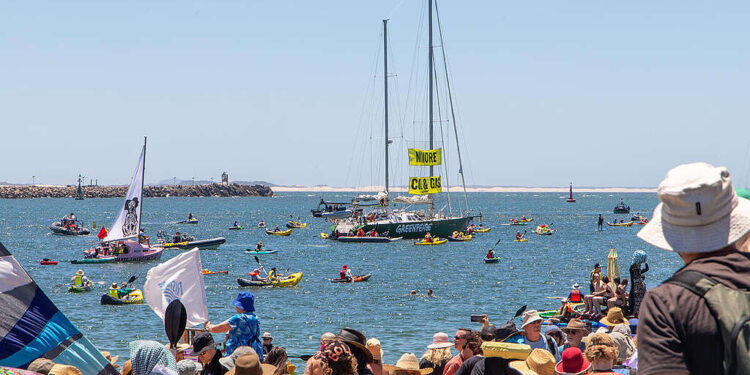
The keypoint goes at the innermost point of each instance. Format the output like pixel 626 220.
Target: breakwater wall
pixel 208 190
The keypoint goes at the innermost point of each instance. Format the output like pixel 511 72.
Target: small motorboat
pixel 629 223
pixel 355 279
pixel 47 262
pixel 188 221
pixel 68 230
pixel 621 208
pixel 260 252
pixel 279 232
pixel 366 239
pixel 211 243
pixel 282 281
pixel 103 259
pixel 491 260
pixel 296 225
pixel 207 272
pixel 435 241
pixel 331 210
pixel 135 297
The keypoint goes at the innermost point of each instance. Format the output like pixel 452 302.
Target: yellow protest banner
pixel 425 157
pixel 425 185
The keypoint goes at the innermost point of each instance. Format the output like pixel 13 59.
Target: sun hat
pixel 146 354
pixel 245 301
pixel 540 361
pixel 187 367
pixel 564 300
pixel 624 329
pixel 487 333
pixel 249 364
pixel 699 211
pixel 529 317
pixel 505 331
pixel 551 328
pixel 59 369
pixel 575 324
pixel 79 272
pixel 624 345
pixel 228 361
pixel 572 362
pixel 202 342
pixel 409 363
pixel 440 340
pixel 266 335
pixel 600 338
pixel 41 365
pixel 614 317
pixel 355 338
pixel 576 286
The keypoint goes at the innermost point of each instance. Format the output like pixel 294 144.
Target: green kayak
pixel 94 260
pixel 81 289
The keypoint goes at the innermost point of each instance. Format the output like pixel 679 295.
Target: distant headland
pixel 70 191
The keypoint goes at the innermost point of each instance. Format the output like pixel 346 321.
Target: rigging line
pixel 450 100
pixel 747 163
pixel 442 142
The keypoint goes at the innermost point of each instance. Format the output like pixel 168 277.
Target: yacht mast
pixel 429 72
pixel 385 86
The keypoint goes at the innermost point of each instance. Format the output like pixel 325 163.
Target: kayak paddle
pixel 175 319
pixel 519 312
pixel 498 241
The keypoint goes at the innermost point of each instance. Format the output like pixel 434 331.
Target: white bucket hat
pixel 529 317
pixel 699 211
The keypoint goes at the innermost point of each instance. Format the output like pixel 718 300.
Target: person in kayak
pixel 490 254
pixel 80 279
pixel 261 224
pixel 235 224
pixel 519 236
pixel 428 237
pixel 176 237
pixel 185 237
pixel 255 275
pixel 273 276
pixel 277 229
pixel 114 291
pixel 523 218
pixel 259 246
pixel 190 216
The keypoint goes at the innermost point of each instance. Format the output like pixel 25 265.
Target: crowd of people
pixel 677 332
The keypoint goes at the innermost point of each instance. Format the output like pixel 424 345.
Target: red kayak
pixel 48 262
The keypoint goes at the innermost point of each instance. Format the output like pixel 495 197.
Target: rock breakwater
pixel 208 190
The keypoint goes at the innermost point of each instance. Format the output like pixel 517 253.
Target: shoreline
pixel 210 190
pixel 488 189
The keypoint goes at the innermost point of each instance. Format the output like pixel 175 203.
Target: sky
pixel 597 93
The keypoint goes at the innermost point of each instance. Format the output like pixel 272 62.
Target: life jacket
pixel 575 295
pixel 272 274
pixel 113 292
pixel 78 280
pixel 342 273
pixel 566 309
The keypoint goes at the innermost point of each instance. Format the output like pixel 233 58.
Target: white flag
pixel 178 278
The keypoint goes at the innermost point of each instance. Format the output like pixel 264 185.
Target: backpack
pixel 731 309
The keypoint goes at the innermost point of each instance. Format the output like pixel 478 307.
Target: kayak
pixel 261 225
pixel 366 239
pixel 207 272
pixel 94 260
pixel 577 307
pixel 133 298
pixel 324 236
pixel 191 221
pixel 460 239
pixel 435 241
pixel 279 233
pixel 236 228
pixel 81 289
pixel 642 222
pixel 48 262
pixel 261 252
pixel 482 230
pixel 211 243
pixel 290 280
pixel 521 240
pixel 355 279
pixel 526 220
pixel 543 230
pixel 491 260
pixel 296 225
pixel 629 223
pixel 518 223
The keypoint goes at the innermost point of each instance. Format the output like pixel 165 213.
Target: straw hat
pixel 539 361
pixel 529 317
pixel 614 317
pixel 440 340
pixel 699 211
pixel 249 364
pixel 59 369
pixel 575 324
pixel 79 272
pixel 572 362
pixel 409 363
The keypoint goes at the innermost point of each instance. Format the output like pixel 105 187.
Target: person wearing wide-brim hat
pixel 532 328
pixel 358 344
pixel 613 318
pixel 573 363
pixel 243 328
pixel 539 361
pixel 408 364
pixel 79 279
pixel 249 364
pixel 438 353
pixel 575 332
pixel 209 356
pixel 701 218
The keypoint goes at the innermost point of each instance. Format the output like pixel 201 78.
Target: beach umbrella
pixel 613 270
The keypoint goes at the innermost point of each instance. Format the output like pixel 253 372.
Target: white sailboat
pixel 123 242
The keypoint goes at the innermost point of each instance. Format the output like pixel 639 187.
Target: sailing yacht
pixel 381 216
pixel 123 242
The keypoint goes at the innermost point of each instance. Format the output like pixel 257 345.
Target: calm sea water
pixel 528 273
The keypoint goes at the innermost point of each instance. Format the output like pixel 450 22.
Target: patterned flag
pixel 31 326
pixel 178 278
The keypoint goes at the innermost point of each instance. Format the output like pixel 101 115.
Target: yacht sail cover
pixel 31 326
pixel 413 199
pixel 129 220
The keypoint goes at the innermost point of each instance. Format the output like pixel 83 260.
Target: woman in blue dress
pixel 243 328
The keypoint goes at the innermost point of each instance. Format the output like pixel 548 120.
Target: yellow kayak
pixel 324 236
pixel 482 230
pixel 521 240
pixel 629 223
pixel 295 225
pixel 290 280
pixel 279 233
pixel 435 241
pixel 133 298
pixel 461 238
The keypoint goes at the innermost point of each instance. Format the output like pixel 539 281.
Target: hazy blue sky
pixel 598 93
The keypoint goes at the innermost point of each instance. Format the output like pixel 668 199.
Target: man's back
pixel 676 331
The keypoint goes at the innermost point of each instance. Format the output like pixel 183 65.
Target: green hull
pixel 437 228
pixel 94 260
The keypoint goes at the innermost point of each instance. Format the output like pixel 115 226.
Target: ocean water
pixel 528 273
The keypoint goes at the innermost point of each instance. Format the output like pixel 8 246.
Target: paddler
pixel 454 234
pixel 428 237
pixel 79 279
pixel 342 273
pixel 360 232
pixel 113 291
pixel 190 216
pixel 235 224
pixel 272 275
pixel 259 246
pixel 255 275
pixel 519 236
pixel 490 254
pixel 262 224
pixel 176 237
pixel 277 229
pixel 348 274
